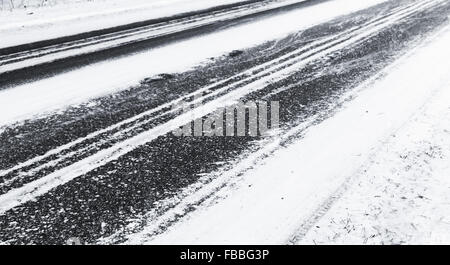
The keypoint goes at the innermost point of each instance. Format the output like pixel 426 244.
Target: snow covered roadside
pixel 23 26
pixel 293 191
pixel 402 195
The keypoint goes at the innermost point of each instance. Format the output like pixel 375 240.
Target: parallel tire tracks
pixel 77 158
pixel 33 57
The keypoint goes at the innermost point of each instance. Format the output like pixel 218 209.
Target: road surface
pixel 94 170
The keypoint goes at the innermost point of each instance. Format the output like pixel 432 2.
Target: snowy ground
pixel 401 196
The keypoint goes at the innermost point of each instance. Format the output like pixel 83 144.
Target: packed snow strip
pixel 35 24
pixel 34 189
pixel 46 96
pixel 277 200
pixel 112 40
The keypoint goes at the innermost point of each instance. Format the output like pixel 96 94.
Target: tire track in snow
pixel 16 61
pixel 113 133
pixel 39 187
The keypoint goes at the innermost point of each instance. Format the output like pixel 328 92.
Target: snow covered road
pixel 102 164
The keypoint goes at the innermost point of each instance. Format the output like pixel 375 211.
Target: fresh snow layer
pixel 75 87
pixel 282 199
